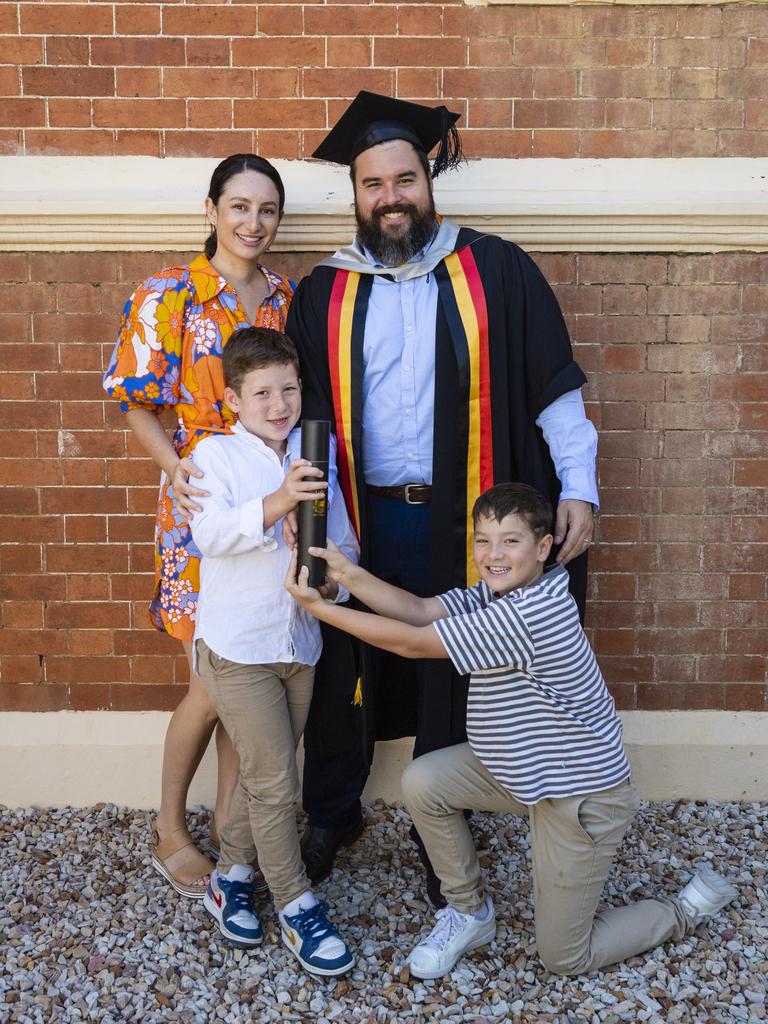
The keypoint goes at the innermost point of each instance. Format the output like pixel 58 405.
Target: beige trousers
pixel 573 843
pixel 264 709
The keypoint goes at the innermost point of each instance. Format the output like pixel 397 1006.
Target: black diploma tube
pixel 313 515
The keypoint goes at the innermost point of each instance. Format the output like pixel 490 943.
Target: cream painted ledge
pixel 59 204
pixel 81 758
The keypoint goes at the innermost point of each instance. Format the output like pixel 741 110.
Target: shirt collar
pixel 257 442
pixel 352 257
pixel 207 282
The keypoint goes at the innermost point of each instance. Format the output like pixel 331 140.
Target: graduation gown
pixel 502 355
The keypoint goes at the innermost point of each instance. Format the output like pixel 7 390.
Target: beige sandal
pixel 259 881
pixel 180 862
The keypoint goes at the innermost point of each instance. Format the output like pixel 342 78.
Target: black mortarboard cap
pixel 371 119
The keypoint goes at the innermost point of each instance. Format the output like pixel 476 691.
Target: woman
pixel 168 355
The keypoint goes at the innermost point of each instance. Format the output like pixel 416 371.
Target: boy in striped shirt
pixel 544 741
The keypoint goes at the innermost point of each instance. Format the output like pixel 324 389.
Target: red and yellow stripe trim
pixel 340 314
pixel 470 300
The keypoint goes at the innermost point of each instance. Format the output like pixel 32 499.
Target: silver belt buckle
pixel 407 491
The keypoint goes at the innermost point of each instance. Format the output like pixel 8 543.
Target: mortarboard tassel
pixel 449 155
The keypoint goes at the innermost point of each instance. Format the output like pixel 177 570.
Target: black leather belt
pixel 411 494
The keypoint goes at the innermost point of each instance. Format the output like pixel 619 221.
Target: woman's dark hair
pixel 236 164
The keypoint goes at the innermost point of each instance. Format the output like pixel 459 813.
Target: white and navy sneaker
pixel 231 903
pixel 315 942
pixel 706 893
pixel 454 935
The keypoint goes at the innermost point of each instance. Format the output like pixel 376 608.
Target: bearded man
pixel 442 359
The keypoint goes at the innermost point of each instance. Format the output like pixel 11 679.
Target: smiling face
pixel 393 202
pixel 246 217
pixel 268 404
pixel 508 554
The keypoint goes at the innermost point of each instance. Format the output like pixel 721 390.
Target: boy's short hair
pixel 253 348
pixel 519 500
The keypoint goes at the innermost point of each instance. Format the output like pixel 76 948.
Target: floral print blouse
pixel 168 356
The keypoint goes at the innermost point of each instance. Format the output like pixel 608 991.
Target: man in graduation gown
pixel 442 359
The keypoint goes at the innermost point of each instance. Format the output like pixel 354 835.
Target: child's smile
pixel 508 554
pixel 269 403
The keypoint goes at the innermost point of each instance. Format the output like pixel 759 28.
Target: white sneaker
pixel 706 893
pixel 454 935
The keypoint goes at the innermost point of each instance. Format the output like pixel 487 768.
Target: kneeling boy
pixel 254 649
pixel 544 741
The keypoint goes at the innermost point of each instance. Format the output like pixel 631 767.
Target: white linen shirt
pixel 244 612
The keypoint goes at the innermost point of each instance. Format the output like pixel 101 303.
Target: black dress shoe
pixel 320 845
pixel 434 891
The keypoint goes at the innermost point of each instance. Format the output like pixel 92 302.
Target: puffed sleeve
pixel 144 371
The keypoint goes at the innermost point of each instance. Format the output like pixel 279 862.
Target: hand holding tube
pixel 313 515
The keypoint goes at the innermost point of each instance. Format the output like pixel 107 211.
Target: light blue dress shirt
pixel 399 396
pixel 399 381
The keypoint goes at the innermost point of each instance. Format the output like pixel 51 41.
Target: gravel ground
pixel 88 932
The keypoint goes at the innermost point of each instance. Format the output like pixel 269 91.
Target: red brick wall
pixel 173 79
pixel 675 350
pixel 674 345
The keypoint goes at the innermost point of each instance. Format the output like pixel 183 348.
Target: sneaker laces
pixel 239 898
pixel 315 923
pixel 448 923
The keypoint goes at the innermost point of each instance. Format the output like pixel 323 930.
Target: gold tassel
pixel 357 700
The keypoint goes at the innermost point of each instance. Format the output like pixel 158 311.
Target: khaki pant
pixel 264 709
pixel 573 843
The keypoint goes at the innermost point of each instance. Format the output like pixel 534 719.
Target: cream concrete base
pixel 82 758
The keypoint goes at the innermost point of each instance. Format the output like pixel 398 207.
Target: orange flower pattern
pixel 168 356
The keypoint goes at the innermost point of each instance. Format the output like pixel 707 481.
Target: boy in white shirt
pixel 544 741
pixel 255 648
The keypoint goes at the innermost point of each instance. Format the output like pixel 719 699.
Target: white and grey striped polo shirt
pixel 539 716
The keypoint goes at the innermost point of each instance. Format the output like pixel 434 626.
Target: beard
pixel 393 250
